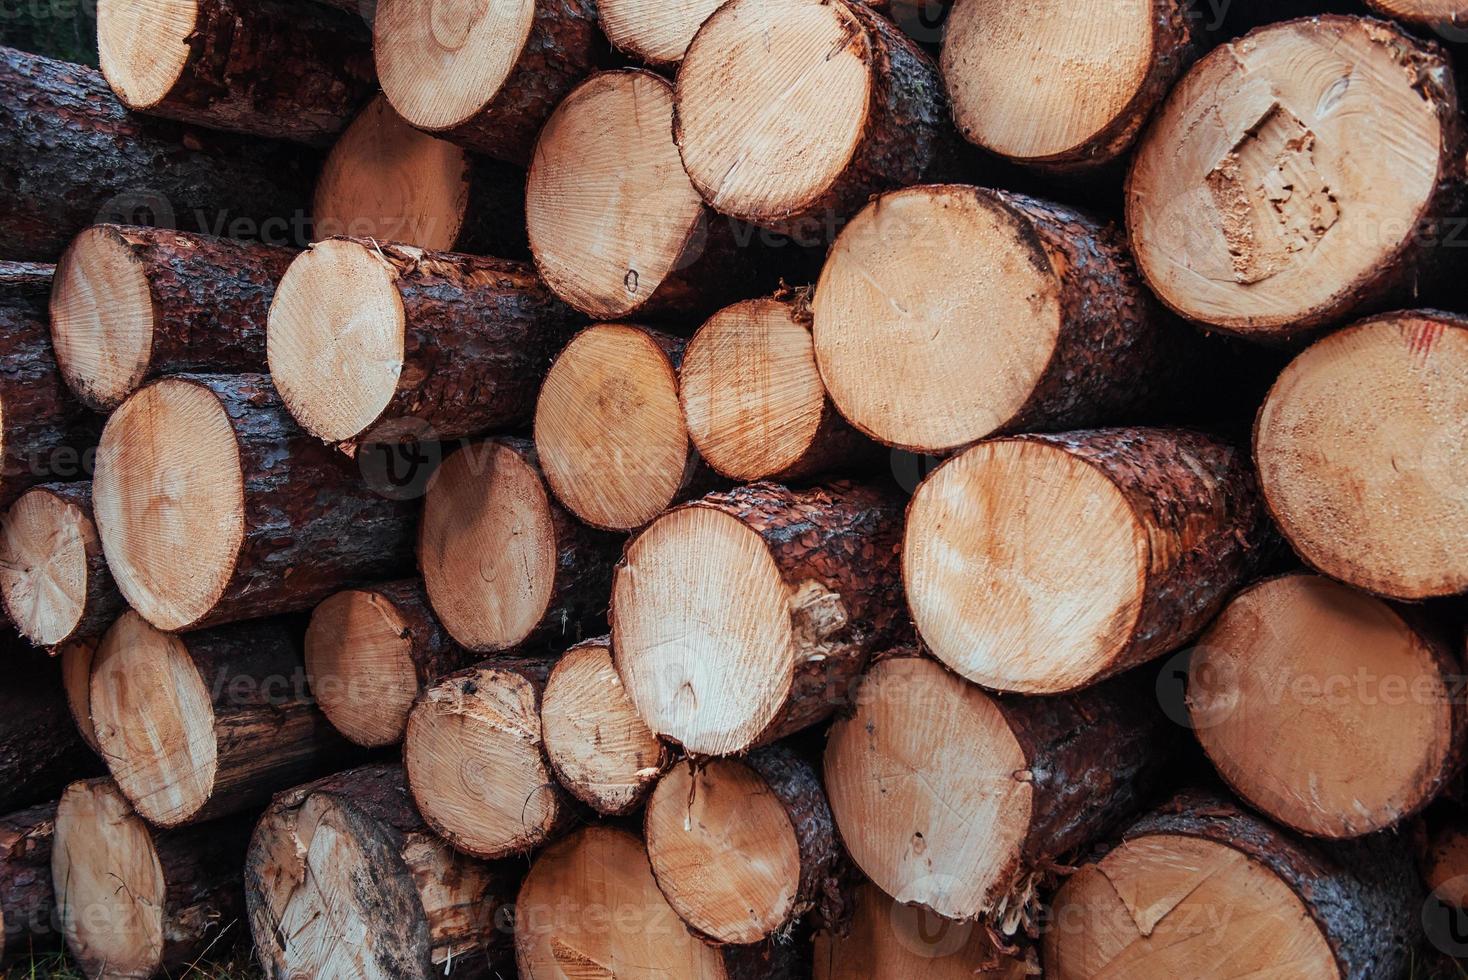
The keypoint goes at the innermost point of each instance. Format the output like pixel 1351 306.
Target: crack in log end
pixel 1274 203
pixel 576 965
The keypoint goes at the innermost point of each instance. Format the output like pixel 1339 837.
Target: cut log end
pixel 1361 450
pixel 598 745
pixel 1361 698
pixel 488 547
pixel 751 391
pixel 169 482
pixel 702 578
pixel 76 679
pixel 144 47
pixel 609 431
pixel 603 868
pixel 1045 82
pixel 387 181
pixel 1271 216
pixel 1430 12
pixel 336 339
pixel 698 816
pixel 167 766
pixel 1000 521
pixel 911 834
pixel 102 318
pixel 359 661
pixel 476 764
pixel 1170 905
pixel 608 151
pixel 110 885
pixel 657 31
pixel 813 59
pixel 46 543
pixel 441 65
pixel 975 312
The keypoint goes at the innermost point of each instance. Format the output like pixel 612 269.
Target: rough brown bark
pixel 40 748
pixel 425 909
pixel 26 278
pixel 277 70
pixel 71 155
pixel 27 901
pixel 210 300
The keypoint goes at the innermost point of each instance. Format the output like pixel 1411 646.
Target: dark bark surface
pixel 71 156
pixel 27 901
pixel 40 748
pixel 101 602
pixel 26 279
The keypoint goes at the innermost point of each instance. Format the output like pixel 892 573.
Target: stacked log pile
pixel 512 561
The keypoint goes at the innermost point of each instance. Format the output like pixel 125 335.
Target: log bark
pixel 1155 528
pixel 540 48
pixel 505 566
pixel 795 591
pixel 839 61
pixel 1221 245
pixel 770 808
pixel 292 523
pixel 19 279
pixel 71 156
pixel 207 724
pixel 754 400
pixel 476 764
pixel 53 575
pixel 268 69
pixel 386 181
pixel 428 911
pixel 1047 775
pixel 596 743
pixel 996 58
pixel 1021 315
pixel 136 901
pixel 1346 909
pixel 133 303
pixel 27 900
pixel 449 345
pixel 40 749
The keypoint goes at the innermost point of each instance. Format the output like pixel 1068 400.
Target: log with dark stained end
pixel 71 156
pixel 259 67
pixel 351 847
pixel 273 520
pixel 131 304
pixel 27 900
pixel 41 749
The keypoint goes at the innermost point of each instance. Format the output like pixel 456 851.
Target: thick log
pixel 890 940
pixel 371 651
pixel 131 304
pixel 488 76
pixel 272 521
pixel 76 681
pixel 351 848
pixel 505 566
pixel 1227 893
pixel 365 335
pixel 1039 86
pixel 769 808
pixel 1286 185
pixel 754 400
pixel 927 757
pixel 40 749
pixel 947 314
pixel 71 156
pixel 1042 564
pixel 597 745
pixel 653 248
pixel 1359 447
pixel 207 724
pixel 53 575
pixel 476 763
pixel 386 181
pixel 1328 710
pixel 590 908
pixel 862 111
pixel 136 901
pixel 259 67
pixel 609 431
pixel 27 901
pixel 743 617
